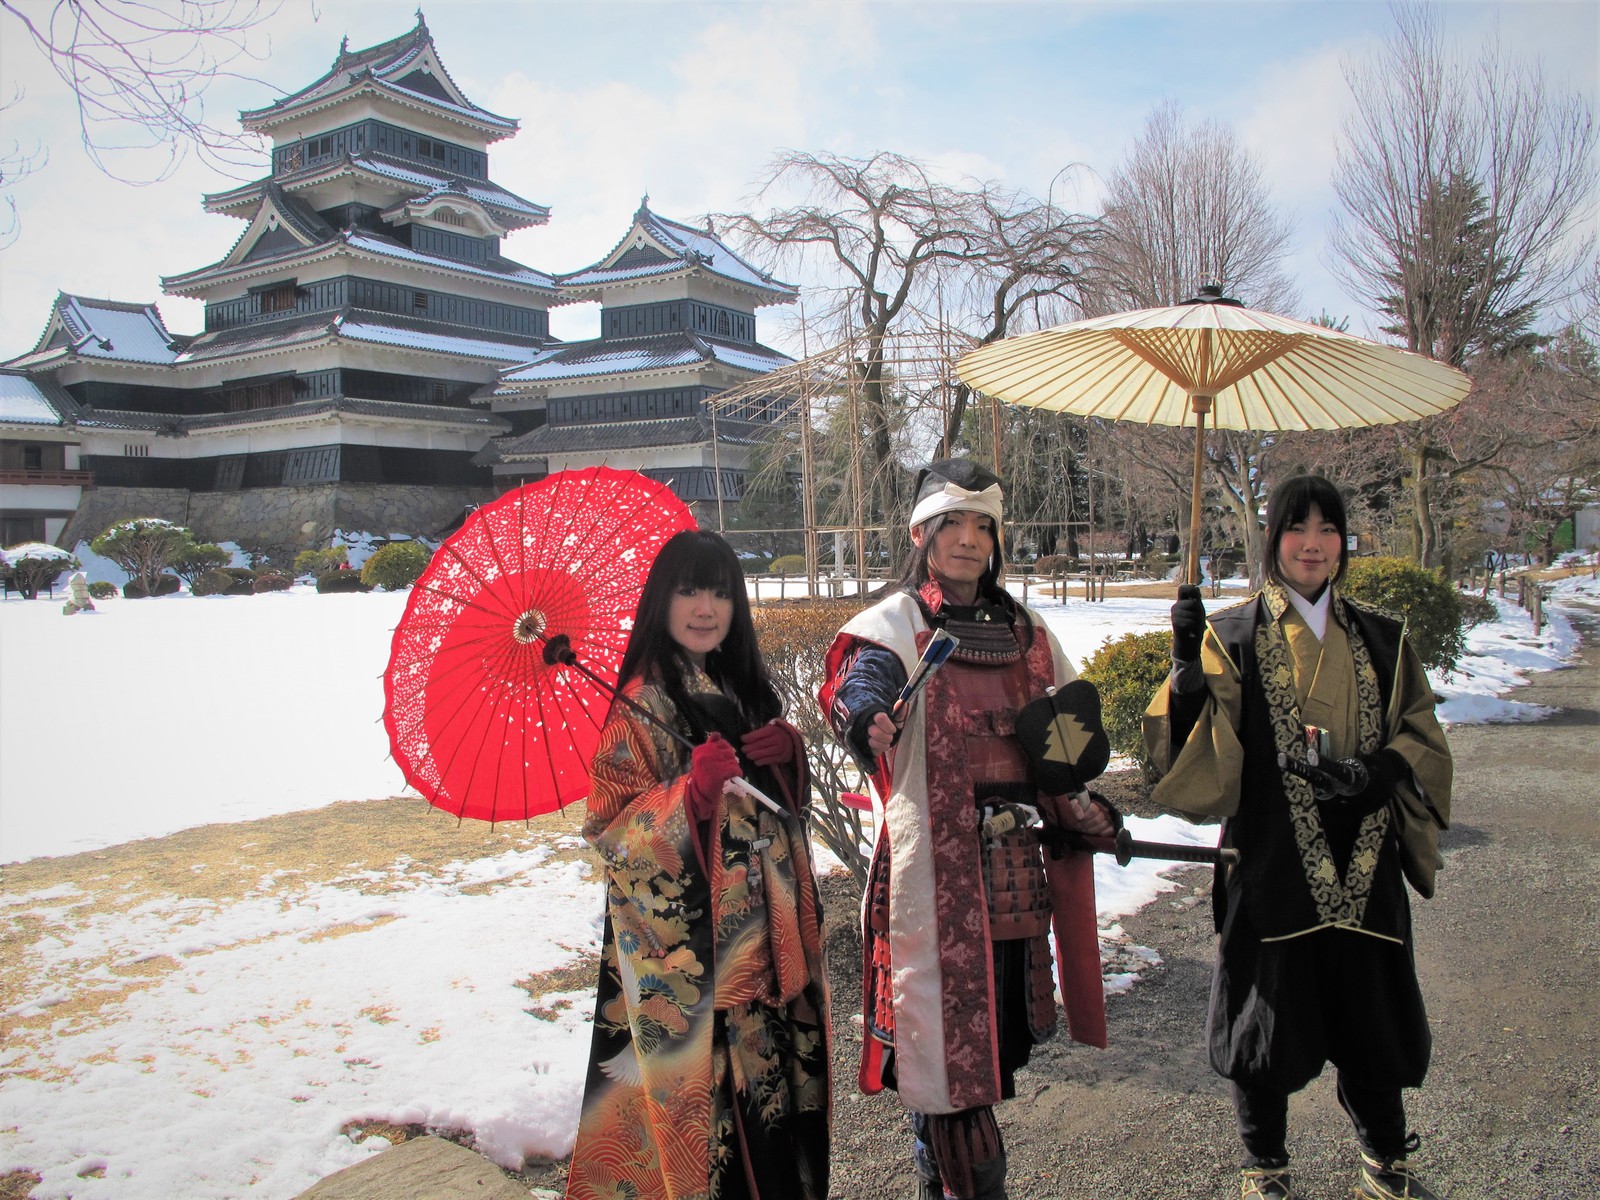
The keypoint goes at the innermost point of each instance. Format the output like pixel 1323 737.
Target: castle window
pixel 449 216
pixel 428 148
pixel 279 298
pixel 722 323
pixel 129 451
pixel 419 303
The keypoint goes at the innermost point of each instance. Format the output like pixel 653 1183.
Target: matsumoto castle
pixel 370 360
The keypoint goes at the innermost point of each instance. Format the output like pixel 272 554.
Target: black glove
pixel 1188 624
pixel 1363 784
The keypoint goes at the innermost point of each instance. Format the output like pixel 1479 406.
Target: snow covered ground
pixel 280 1016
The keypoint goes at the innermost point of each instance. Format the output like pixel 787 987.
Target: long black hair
pixel 698 558
pixel 1290 502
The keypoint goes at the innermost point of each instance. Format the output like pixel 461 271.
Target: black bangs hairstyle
pixel 698 558
pixel 1290 501
pixel 916 571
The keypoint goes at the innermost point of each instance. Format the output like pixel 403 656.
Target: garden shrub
pixel 788 564
pixel 194 559
pixel 1476 609
pixel 101 589
pixel 211 583
pixel 166 585
pixel 398 565
pixel 244 581
pixel 318 563
pixel 35 566
pixel 1430 606
pixel 1128 672
pixel 271 581
pixel 143 547
pixel 335 582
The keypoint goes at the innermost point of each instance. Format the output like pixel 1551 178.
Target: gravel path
pixel 1508 954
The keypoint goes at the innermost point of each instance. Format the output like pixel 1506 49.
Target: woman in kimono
pixel 1315 961
pixel 708 1076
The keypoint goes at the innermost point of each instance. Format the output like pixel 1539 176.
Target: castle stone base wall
pixel 281 520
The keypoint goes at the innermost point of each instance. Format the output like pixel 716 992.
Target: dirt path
pixel 1508 953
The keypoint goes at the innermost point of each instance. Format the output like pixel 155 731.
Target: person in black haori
pixel 1314 961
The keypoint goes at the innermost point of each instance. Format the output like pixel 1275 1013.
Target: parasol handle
pixel 558 650
pixel 1201 406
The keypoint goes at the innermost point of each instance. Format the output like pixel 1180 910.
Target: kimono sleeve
pixel 637 796
pixel 1422 801
pixel 1202 781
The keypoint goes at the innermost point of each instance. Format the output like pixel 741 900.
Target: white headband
pixel 954 498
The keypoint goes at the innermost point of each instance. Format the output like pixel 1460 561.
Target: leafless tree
pixel 139 73
pixel 1035 256
pixel 880 225
pixel 1467 189
pixel 1188 206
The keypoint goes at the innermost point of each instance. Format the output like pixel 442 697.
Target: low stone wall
pixel 281 521
pixel 101 508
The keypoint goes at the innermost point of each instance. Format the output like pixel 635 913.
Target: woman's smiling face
pixel 698 620
pixel 1308 552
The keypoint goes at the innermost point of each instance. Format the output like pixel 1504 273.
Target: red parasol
pixel 480 722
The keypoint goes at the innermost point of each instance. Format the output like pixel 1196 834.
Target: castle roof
pixel 627 435
pixel 105 330
pixel 28 401
pixel 658 352
pixel 406 70
pixel 306 237
pixel 355 325
pixel 655 247
pixel 421 182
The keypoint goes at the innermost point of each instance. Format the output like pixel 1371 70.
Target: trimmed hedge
pixel 101 589
pixel 1430 606
pixel 339 582
pixel 166 585
pixel 1128 672
pixel 211 583
pixel 271 581
pixel 398 565
pixel 788 564
pixel 318 563
pixel 1475 610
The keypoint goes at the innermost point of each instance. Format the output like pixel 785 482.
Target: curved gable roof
pixel 408 66
pixel 655 246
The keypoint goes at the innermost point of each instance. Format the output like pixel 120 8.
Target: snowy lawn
pixel 200 1028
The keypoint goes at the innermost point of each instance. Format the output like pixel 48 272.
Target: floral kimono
pixel 708 1075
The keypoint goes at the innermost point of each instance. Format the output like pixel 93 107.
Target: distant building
pixel 41 477
pixel 677 326
pixel 370 360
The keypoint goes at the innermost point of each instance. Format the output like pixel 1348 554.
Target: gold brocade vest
pixel 1293 681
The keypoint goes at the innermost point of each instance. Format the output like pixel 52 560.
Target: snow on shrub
pixel 35 566
pixel 143 547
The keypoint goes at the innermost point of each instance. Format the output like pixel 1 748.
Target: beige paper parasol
pixel 1245 368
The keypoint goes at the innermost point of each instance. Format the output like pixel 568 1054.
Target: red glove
pixel 712 764
pixel 769 745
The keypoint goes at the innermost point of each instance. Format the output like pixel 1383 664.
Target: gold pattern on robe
pixel 1333 684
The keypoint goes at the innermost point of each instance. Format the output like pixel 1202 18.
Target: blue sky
pixel 688 101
